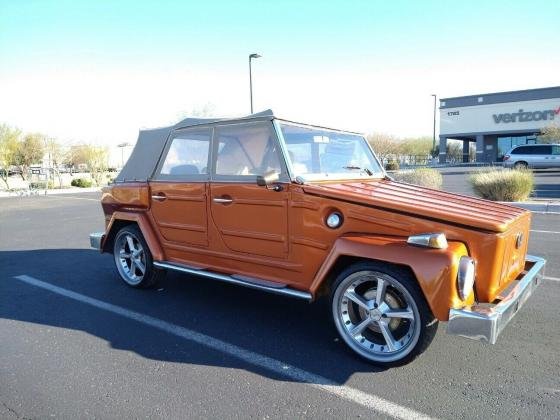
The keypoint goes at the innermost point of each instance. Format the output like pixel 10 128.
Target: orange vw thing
pixel 308 212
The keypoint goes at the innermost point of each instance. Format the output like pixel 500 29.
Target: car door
pixel 179 189
pixel 249 219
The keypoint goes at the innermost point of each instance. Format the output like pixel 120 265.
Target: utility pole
pixel 434 139
pixel 254 55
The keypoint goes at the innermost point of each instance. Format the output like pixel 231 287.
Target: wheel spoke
pixel 124 254
pixel 400 313
pixel 381 289
pixel 130 242
pixel 132 268
pixel 387 335
pixel 140 266
pixel 358 329
pixel 357 299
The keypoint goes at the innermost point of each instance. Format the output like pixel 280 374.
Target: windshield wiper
pixel 366 170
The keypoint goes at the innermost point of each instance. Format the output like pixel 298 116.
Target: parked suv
pixel 533 156
pixel 308 212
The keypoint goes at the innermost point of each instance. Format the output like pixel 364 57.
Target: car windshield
pixel 321 154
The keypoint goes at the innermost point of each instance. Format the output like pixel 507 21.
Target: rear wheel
pixel 133 259
pixel 381 314
pixel 520 165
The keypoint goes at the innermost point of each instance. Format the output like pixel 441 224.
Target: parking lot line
pixel 544 231
pixel 369 401
pixel 551 278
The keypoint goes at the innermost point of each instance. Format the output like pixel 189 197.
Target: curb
pixel 544 207
pixel 27 193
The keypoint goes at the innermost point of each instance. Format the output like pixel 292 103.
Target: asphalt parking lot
pixel 76 342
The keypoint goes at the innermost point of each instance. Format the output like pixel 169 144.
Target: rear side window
pixel 186 156
pixel 556 150
pixel 532 150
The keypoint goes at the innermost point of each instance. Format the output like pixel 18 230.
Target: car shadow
pixel 278 327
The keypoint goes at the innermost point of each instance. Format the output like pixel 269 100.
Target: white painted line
pixel 551 278
pixel 372 402
pixel 544 231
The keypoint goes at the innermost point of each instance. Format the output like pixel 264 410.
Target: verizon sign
pixel 523 116
pixel 510 117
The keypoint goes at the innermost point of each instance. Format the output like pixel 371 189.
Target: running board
pixel 238 280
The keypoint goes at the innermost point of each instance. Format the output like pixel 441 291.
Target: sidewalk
pixel 26 193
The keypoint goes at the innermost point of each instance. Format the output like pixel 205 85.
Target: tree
pixel 9 142
pixel 384 145
pixel 550 134
pixel 30 150
pixel 96 158
pixel 57 157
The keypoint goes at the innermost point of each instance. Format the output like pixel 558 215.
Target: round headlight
pixel 465 277
pixel 334 220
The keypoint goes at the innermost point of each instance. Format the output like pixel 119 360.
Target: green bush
pixel 41 185
pixel 392 165
pixel 81 182
pixel 425 177
pixel 503 185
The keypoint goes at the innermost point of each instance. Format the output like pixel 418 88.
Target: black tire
pixel 391 333
pixel 134 266
pixel 520 165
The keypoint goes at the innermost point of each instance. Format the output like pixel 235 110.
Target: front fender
pixel 434 269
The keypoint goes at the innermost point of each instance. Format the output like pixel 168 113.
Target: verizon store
pixel 495 122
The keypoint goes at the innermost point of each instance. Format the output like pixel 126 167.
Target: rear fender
pixel 434 269
pixel 141 219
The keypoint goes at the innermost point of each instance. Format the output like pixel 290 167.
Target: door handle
pixel 159 197
pixel 221 200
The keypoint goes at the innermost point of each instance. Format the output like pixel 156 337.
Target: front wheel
pixel 133 259
pixel 381 314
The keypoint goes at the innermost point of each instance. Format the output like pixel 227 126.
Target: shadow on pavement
pixel 288 330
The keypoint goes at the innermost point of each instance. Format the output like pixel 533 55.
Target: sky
pixel 98 71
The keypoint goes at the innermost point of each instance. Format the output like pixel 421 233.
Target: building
pixel 495 122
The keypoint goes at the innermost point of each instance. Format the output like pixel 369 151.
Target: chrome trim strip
pixel 95 240
pixel 237 280
pixel 485 323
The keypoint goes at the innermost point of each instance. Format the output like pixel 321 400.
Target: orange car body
pixel 276 236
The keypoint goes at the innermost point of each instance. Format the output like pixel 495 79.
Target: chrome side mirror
pixel 268 178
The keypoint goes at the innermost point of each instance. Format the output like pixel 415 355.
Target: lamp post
pixel 434 139
pixel 122 146
pixel 254 55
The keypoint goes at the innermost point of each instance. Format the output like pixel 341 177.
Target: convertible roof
pixel 150 144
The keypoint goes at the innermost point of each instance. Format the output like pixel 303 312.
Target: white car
pixel 533 156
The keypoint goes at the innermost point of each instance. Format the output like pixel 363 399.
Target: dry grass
pixel 503 185
pixel 425 177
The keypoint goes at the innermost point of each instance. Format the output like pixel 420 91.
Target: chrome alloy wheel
pixel 130 258
pixel 376 316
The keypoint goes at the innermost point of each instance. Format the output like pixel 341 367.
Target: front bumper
pixel 96 239
pixel 485 322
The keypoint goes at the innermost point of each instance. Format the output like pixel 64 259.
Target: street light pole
pixel 434 139
pixel 254 55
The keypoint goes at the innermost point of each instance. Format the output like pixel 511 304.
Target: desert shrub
pixel 425 177
pixel 392 165
pixel 503 185
pixel 81 182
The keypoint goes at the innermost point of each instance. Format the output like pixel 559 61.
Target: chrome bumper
pixel 95 240
pixel 486 322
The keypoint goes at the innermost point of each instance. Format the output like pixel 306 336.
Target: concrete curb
pixel 540 207
pixel 27 193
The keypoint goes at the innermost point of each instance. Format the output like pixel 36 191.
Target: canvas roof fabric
pixel 150 145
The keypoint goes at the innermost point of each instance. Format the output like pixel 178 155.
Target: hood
pixel 422 202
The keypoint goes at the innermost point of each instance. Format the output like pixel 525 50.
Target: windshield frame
pixel 301 179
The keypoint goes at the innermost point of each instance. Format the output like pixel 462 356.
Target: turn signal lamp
pixel 429 240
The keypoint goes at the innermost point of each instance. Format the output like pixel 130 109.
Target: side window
pixel 187 155
pixel 556 150
pixel 246 150
pixel 521 151
pixel 543 150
